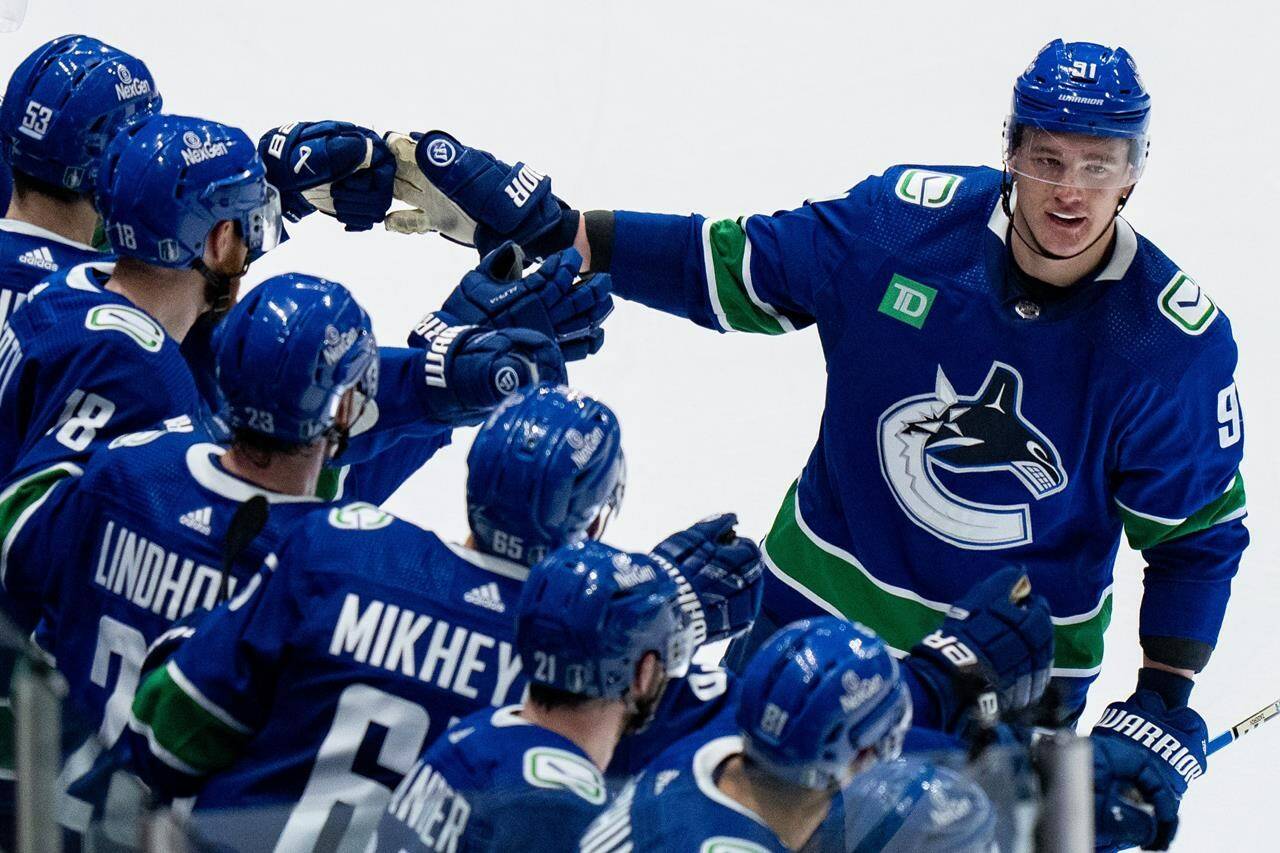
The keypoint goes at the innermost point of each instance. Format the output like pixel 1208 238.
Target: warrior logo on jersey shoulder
pixel 978 434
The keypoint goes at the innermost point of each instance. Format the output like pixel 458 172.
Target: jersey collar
pixel 17 226
pixel 200 462
pixel 705 761
pixel 489 563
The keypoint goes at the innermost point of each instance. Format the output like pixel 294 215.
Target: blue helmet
pixel 289 351
pixel 912 806
pixel 588 614
pixel 6 187
pixel 817 694
pixel 165 182
pixel 65 103
pixel 1084 89
pixel 545 465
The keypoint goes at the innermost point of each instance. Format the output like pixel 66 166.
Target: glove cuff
pixel 934 702
pixel 1173 688
pixel 556 238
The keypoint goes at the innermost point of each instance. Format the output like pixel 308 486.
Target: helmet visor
pixel 262 225
pixel 681 645
pixel 1082 160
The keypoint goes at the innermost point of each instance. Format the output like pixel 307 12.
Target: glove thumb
pixel 505 263
pixel 719 528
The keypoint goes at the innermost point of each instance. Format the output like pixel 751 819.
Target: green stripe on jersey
pixel 21 500
pixel 183 727
pixel 901 618
pixel 727 250
pixel 1145 531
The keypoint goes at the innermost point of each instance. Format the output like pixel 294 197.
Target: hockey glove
pixel 473 198
pixel 470 370
pixel 498 294
pixel 724 570
pixel 335 167
pixel 1145 753
pixel 992 656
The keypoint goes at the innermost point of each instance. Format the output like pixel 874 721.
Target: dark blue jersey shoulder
pixel 28 254
pixel 676 805
pixel 490 774
pixel 80 365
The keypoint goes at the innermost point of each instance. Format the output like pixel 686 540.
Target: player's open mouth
pixel 1073 223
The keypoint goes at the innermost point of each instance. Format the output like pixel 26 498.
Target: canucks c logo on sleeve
pixel 981 435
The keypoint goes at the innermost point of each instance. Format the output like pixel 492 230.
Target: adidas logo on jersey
pixel 40 257
pixel 198 520
pixel 486 596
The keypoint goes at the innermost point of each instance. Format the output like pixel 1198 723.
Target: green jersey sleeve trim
pixel 726 253
pixel 22 500
pixel 182 730
pixel 1146 531
pixel 835 581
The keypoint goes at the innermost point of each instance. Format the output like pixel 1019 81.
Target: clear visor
pixel 1070 159
pixel 613 504
pixel 262 225
pixel 680 648
pixel 252 202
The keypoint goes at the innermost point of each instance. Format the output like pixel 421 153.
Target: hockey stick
pixel 1243 727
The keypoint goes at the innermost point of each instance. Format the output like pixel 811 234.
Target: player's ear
pixel 649 674
pixel 224 248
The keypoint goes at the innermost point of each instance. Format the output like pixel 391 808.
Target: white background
pixel 737 107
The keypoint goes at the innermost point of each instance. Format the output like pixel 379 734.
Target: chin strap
pixel 1029 239
pixel 217 291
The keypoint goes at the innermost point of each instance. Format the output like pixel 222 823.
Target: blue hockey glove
pixel 1144 756
pixel 469 370
pixel 724 570
pixel 471 197
pixel 336 167
pixel 547 299
pixel 992 656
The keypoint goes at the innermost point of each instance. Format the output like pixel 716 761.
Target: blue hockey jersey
pixel 124 549
pixel 494 783
pixel 675 806
pixel 80 365
pixel 315 690
pixel 969 426
pixel 28 254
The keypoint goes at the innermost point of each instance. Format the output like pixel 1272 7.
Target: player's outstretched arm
pixel 992 655
pixel 758 274
pixel 336 167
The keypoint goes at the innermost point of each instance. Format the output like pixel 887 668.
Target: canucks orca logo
pixel 982 433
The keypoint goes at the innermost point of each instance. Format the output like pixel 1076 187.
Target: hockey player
pixel 821 701
pixel 61 107
pixel 312 694
pixel 1056 379
pixel 602 631
pixel 137 540
pixel 187 207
